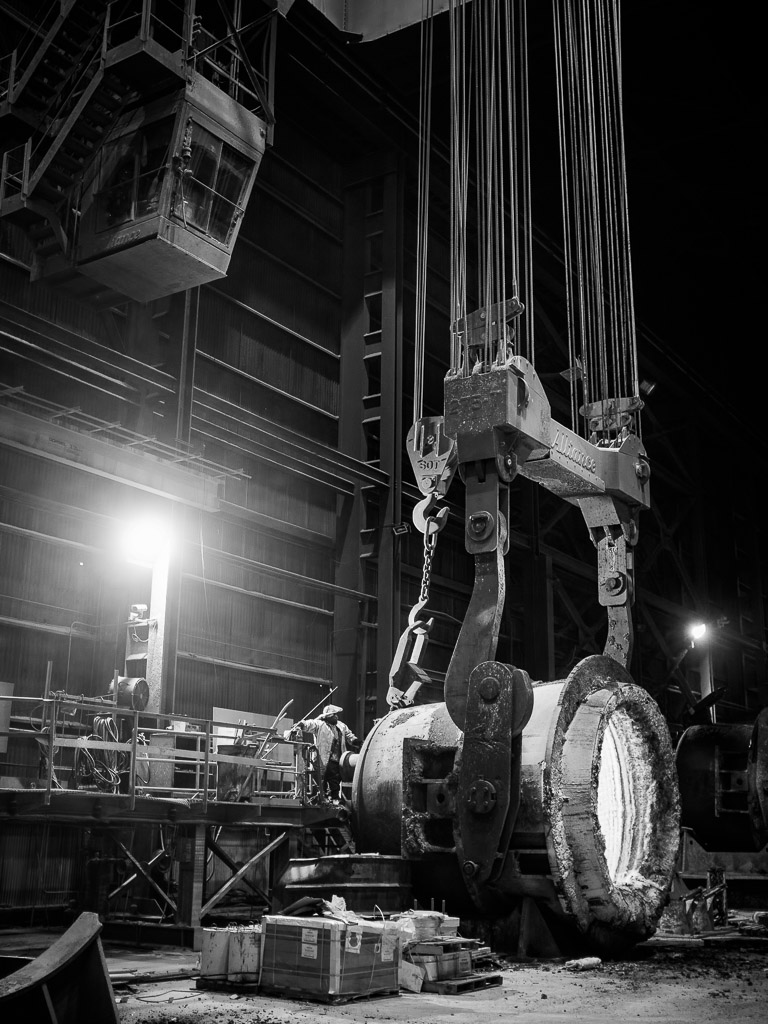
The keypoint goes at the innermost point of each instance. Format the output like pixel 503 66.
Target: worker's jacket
pixel 323 736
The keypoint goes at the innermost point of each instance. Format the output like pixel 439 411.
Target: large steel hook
pixel 427 518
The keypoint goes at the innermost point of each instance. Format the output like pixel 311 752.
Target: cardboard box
pixel 428 964
pixel 454 965
pixel 324 956
pixel 244 960
pixel 426 924
pixel 411 976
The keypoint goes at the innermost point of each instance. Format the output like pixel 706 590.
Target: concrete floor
pixel 672 981
pixel 675 981
pixel 703 984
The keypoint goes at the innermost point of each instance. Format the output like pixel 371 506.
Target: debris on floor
pixel 586 963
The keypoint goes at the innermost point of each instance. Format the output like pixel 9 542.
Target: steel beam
pixel 372 19
pixel 80 451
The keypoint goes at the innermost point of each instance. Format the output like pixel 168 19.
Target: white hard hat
pixel 331 709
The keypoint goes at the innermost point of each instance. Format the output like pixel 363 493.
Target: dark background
pixel 693 122
pixel 693 128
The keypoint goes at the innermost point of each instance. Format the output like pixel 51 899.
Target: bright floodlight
pixel 145 540
pixel 697 630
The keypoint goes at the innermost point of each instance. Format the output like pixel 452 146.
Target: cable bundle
pixel 103 767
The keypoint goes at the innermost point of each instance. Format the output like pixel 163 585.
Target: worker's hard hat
pixel 331 709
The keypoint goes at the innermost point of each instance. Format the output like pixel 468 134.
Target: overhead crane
pixel 512 792
pixel 133 133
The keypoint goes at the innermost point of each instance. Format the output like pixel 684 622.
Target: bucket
pixel 214 953
pixel 244 962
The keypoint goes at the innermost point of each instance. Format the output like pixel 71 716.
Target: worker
pixel 332 739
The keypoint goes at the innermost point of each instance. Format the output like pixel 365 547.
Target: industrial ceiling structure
pixel 244 250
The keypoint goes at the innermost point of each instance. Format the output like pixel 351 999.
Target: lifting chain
pixel 428 520
pixel 406 675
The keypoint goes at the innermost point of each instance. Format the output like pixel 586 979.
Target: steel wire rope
pixel 512 131
pixel 600 307
pixel 487 138
pixel 573 164
pixel 479 150
pixel 586 225
pixel 565 199
pixel 594 233
pixel 422 216
pixel 628 293
pixel 459 149
pixel 487 53
pixel 628 381
pixel 611 142
pixel 608 296
pixel 498 186
pixel 525 222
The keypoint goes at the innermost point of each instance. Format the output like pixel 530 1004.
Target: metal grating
pixel 114 433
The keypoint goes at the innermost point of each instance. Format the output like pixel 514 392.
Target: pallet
pixel 458 986
pixel 223 985
pixel 481 954
pixel 321 997
pixel 441 945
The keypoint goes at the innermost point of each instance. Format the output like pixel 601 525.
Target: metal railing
pixel 8 68
pixel 142 19
pixel 94 745
pixel 15 65
pixel 14 177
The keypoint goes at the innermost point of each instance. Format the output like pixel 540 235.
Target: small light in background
pixel 145 540
pixel 697 631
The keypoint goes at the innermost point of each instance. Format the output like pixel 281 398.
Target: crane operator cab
pixel 136 168
pixel 165 201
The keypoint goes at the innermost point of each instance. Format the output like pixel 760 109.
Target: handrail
pixel 59 735
pixel 8 80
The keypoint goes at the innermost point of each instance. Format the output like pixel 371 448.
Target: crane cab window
pixel 132 175
pixel 209 193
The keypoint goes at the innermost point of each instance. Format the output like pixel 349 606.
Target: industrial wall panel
pixel 51 304
pixel 285 496
pixel 250 572
pixel 298 185
pixel 235 387
pixel 40 866
pixel 266 353
pixel 249 630
pixel 227 434
pixel 288 235
pixel 284 296
pixel 293 142
pixel 200 687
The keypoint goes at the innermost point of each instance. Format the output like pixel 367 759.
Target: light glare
pixel 145 540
